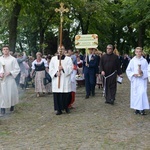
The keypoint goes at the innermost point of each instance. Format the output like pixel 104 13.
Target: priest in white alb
pixel 137 72
pixel 9 69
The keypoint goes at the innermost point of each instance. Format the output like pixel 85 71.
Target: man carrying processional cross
pixel 63 72
pixel 60 69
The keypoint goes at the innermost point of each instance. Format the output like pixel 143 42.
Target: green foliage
pixel 124 22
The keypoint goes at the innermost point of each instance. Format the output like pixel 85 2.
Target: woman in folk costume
pixel 39 65
pixel 60 69
pixel 9 69
pixel 137 72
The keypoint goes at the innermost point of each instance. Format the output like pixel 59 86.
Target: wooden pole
pixel 60 52
pixel 61 10
pixel 86 50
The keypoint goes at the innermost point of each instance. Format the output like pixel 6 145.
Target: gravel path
pixel 92 125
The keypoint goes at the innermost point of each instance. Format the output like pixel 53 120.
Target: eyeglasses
pixel 109 48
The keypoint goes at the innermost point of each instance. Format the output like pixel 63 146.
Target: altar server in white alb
pixel 137 72
pixel 149 72
pixel 63 72
pixel 9 69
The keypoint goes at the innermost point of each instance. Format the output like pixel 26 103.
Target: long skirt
pixel 39 84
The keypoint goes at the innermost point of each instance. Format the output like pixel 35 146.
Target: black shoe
pixel 112 102
pixel 58 113
pixel 142 112
pixel 93 94
pixel 67 110
pixel 3 111
pixel 22 86
pixel 12 108
pixel 86 97
pixel 108 102
pixel 137 112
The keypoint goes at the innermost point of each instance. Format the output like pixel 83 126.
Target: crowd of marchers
pixel 61 73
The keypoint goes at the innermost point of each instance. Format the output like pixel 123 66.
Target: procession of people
pixel 65 70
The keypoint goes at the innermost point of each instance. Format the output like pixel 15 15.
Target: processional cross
pixel 61 10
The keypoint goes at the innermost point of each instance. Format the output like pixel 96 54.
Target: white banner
pixel 86 41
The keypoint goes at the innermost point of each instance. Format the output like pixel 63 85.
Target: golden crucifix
pixel 115 50
pixel 61 10
pixel 115 46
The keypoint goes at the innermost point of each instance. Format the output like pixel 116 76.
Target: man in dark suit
pixel 89 70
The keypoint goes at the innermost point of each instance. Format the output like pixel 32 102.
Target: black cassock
pixel 61 101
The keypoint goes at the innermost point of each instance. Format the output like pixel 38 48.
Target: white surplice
pixel 138 96
pixel 65 78
pixel 149 72
pixel 8 88
pixel 73 81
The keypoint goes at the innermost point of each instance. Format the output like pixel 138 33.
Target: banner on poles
pixel 86 41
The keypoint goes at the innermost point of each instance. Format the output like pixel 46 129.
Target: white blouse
pixel 35 62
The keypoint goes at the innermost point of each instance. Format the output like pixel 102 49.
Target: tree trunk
pixel 42 31
pixel 141 35
pixel 84 26
pixel 32 43
pixel 21 48
pixel 13 26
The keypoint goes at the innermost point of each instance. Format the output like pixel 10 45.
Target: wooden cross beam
pixel 61 10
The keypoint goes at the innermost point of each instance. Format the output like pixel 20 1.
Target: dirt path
pixel 92 125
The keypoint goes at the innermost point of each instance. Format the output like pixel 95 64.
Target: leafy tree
pixel 34 25
pixel 136 13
